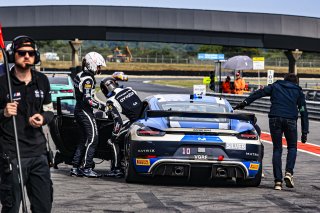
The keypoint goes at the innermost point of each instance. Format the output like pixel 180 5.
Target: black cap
pixel 21 41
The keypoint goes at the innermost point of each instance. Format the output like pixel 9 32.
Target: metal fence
pixel 263 104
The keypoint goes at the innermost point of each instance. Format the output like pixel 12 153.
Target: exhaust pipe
pixel 221 172
pixel 178 170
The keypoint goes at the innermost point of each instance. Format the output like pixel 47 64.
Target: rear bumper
pixel 202 168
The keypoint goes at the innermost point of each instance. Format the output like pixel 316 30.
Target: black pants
pixel 87 146
pixel 37 180
pixel 118 146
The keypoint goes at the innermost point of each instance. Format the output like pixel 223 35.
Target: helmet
pixel 91 61
pixel 107 85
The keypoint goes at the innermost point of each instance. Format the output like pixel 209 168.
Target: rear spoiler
pixel 163 113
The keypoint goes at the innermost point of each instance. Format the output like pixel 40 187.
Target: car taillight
pixel 145 131
pixel 66 91
pixel 248 135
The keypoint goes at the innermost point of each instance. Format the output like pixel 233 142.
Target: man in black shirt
pixel 32 107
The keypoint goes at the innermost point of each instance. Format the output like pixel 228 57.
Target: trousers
pixel 279 126
pixel 37 181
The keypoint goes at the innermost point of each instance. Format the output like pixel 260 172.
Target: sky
pixel 309 8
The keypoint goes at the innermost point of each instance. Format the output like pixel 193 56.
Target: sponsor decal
pixel 142 162
pixel 254 166
pixel 252 154
pixel 201 149
pixel 200 157
pixel 146 151
pixel 87 86
pixel 200 138
pixel 201 130
pixel 236 146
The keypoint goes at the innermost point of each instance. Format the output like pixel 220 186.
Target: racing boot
pixel 88 172
pixel 76 172
pixel 117 173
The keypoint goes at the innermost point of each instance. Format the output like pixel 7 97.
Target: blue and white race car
pixel 192 137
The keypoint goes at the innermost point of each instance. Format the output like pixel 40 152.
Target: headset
pixel 11 50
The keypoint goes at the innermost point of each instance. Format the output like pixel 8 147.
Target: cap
pixel 21 41
pixel 238 73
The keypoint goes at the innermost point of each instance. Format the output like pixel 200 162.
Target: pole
pixel 24 203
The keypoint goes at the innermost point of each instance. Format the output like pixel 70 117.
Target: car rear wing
pixel 164 113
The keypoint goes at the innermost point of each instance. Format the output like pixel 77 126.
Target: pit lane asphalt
pixel 114 195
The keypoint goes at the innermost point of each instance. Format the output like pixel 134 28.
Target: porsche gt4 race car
pixel 189 137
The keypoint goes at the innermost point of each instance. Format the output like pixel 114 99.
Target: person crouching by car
pixel 84 84
pixel 126 102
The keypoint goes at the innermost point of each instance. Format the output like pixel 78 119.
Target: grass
pixel 178 83
pixel 163 67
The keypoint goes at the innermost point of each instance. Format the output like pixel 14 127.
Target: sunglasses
pixel 24 52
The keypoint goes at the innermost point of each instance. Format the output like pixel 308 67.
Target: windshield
pixel 195 107
pixel 58 80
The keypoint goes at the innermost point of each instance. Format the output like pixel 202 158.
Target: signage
pixel 199 89
pixel 206 80
pixel 258 63
pixel 270 77
pixel 207 56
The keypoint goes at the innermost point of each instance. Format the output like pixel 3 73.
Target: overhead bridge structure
pixel 195 26
pixel 162 25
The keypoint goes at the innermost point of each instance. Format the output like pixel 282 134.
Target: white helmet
pixel 91 61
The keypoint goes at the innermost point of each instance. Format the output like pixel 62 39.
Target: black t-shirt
pixel 31 98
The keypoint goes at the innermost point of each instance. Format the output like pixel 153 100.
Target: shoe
pixel 88 172
pixel 76 172
pixel 278 185
pixel 117 173
pixel 288 178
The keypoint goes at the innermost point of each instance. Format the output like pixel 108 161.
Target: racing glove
pixel 240 105
pixel 304 137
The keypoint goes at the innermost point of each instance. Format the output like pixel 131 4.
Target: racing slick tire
pixel 130 174
pixel 253 182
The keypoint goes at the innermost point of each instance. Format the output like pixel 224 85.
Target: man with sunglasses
pixel 32 108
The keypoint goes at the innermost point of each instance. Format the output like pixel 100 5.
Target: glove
pixel 304 137
pixel 241 105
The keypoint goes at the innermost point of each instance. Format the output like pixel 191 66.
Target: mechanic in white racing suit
pixel 84 84
pixel 126 102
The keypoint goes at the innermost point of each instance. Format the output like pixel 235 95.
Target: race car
pixel 193 137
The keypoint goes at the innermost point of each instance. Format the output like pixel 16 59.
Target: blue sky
pixel 309 8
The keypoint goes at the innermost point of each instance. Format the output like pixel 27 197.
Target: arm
pixel 87 89
pixel 116 117
pixel 302 106
pixel 266 91
pixel 47 106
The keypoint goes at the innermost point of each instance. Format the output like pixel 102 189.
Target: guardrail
pixel 263 104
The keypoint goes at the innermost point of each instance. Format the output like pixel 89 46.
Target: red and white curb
pixel 309 148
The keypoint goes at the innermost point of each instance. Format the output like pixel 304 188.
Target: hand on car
pixel 241 105
pixel 304 137
pixel 36 120
pixel 11 109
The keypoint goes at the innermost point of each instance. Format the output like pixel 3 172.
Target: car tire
pixel 253 182
pixel 130 174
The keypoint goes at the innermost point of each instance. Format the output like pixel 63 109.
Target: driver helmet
pixel 108 85
pixel 92 62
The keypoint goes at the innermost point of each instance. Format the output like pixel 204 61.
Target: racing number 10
pixel 186 151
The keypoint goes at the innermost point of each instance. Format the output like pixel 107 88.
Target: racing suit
pixel 84 85
pixel 126 102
